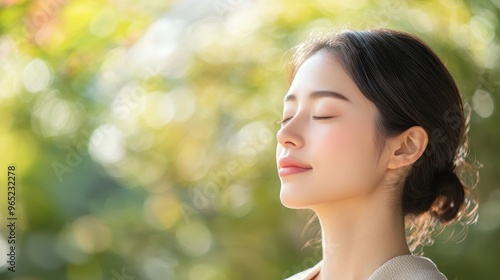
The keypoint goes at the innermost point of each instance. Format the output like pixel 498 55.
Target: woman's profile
pixel 374 140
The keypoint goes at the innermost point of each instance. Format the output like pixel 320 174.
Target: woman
pixel 373 140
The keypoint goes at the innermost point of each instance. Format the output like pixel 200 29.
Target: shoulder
pixel 408 267
pixel 307 274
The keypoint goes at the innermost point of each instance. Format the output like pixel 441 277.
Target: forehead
pixel 322 71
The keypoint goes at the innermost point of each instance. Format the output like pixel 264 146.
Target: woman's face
pixel 338 150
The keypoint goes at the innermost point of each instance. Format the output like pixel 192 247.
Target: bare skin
pixel 349 185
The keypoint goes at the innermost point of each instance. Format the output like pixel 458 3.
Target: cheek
pixel 343 144
pixel 345 159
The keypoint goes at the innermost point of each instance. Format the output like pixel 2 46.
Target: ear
pixel 407 147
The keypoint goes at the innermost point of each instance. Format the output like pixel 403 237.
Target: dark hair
pixel 410 86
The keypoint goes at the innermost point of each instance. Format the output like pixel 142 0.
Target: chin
pixel 295 200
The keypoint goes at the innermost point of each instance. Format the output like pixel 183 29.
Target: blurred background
pixel 143 133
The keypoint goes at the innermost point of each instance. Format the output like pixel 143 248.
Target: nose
pixel 290 135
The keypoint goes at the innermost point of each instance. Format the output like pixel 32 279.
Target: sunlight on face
pixel 331 133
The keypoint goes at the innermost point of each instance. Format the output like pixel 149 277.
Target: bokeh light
pixel 144 134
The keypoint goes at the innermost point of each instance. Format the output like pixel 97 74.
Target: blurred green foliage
pixel 143 132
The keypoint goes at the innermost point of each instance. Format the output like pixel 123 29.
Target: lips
pixel 289 166
pixel 291 162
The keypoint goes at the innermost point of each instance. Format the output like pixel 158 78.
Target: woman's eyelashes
pixel 321 118
pixel 285 120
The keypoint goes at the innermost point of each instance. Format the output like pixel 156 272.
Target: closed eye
pixel 321 118
pixel 283 121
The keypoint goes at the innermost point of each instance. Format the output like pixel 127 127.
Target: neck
pixel 358 237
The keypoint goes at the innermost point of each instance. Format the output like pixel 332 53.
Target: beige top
pixel 406 267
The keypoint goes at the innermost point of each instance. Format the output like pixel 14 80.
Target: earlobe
pixel 408 147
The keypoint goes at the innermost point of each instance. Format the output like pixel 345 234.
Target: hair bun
pixel 450 195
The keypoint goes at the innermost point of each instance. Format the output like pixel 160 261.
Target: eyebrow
pixel 318 94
